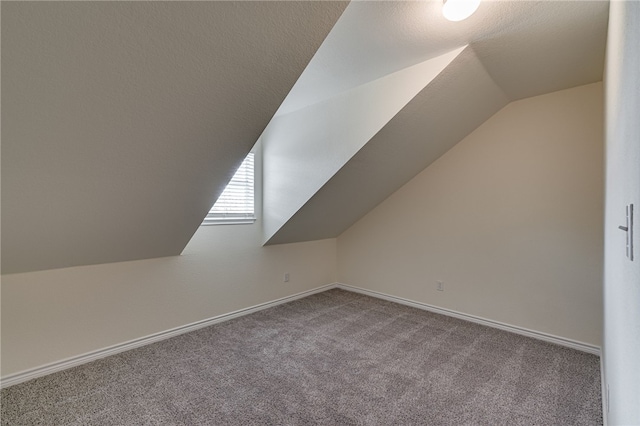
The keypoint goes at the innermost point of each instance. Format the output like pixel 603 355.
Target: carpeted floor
pixel 334 358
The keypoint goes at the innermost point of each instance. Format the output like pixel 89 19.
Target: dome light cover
pixel 457 10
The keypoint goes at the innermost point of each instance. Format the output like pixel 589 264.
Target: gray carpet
pixel 334 358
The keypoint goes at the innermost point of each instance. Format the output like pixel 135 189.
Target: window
pixel 235 205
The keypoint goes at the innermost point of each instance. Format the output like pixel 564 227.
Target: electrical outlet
pixel 286 277
pixel 440 285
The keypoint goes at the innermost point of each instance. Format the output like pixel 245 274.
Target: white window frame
pixel 242 210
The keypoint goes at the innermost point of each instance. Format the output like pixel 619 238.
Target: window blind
pixel 235 204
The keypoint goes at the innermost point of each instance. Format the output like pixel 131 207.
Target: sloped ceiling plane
pixel 123 121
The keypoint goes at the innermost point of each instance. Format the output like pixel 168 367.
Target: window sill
pixel 209 222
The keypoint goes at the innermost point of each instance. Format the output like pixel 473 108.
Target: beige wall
pixel 622 276
pixel 510 219
pixel 51 315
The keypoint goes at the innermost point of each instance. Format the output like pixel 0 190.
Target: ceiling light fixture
pixel 457 10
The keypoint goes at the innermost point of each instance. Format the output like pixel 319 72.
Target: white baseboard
pixel 23 376
pixel 32 373
pixel 584 347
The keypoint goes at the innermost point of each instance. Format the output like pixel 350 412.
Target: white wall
pixel 510 219
pixel 51 315
pixel 305 148
pixel 622 276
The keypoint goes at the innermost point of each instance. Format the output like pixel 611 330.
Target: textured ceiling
pixel 559 42
pixel 123 121
pixel 517 49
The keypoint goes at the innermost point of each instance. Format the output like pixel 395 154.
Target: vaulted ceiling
pixel 123 121
pixel 515 49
